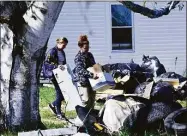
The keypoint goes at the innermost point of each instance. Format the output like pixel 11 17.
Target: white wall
pixel 164 37
pixel 74 21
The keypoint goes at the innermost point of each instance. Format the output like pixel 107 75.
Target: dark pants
pixel 59 97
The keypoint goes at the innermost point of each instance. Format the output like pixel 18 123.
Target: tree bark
pixel 6 63
pixel 30 44
pixel 8 11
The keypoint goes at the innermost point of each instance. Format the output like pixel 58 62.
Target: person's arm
pixel 51 58
pixel 81 68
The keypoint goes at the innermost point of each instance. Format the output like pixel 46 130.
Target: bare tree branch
pixel 150 12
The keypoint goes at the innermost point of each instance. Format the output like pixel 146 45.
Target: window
pixel 122 29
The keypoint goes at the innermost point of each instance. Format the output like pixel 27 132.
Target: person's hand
pixel 61 67
pixel 95 76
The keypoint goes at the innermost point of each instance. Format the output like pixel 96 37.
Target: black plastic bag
pixel 162 92
pixel 122 67
pixel 140 89
pixel 149 117
pixel 87 116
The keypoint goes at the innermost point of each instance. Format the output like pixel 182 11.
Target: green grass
pixel 183 103
pixel 151 134
pixel 8 133
pixel 47 95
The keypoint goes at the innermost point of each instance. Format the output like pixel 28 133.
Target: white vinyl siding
pixel 164 37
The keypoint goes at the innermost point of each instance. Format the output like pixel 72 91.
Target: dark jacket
pixel 82 62
pixel 51 63
pixel 52 57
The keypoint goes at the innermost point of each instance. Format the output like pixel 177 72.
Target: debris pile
pixel 134 98
pixel 150 94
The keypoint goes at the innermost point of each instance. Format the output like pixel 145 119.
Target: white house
pixel 118 35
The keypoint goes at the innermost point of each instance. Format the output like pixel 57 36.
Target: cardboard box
pixel 105 80
pixel 68 87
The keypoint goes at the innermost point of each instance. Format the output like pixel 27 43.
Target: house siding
pixel 81 18
pixel 164 37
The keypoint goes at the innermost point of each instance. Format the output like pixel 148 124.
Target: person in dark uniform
pixel 57 58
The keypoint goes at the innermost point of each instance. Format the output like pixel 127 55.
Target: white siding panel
pixel 164 37
pixel 81 18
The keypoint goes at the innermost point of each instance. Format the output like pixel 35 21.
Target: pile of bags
pixel 148 102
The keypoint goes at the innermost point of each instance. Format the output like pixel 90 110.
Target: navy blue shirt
pixel 54 57
pixel 61 57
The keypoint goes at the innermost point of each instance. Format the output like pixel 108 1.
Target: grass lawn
pixel 47 95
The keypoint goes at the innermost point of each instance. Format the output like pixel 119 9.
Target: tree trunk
pixel 28 55
pixel 6 63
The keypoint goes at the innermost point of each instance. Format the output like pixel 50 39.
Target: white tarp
pixel 115 112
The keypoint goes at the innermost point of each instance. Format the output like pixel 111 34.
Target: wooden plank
pixel 173 81
pixel 50 132
pixel 132 95
pixel 182 84
pixel 110 91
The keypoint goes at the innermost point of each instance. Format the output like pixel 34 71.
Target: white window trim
pixel 109 30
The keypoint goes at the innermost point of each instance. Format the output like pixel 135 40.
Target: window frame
pixel 133 32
